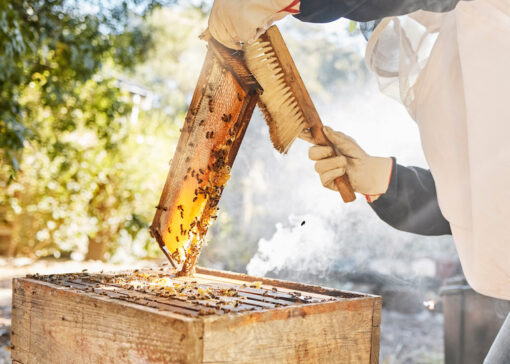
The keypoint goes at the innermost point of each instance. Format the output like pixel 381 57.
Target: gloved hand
pixel 233 22
pixel 368 175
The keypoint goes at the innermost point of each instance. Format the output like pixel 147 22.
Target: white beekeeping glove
pixel 234 22
pixel 368 175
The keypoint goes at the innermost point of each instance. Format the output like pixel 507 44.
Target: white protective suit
pixel 452 72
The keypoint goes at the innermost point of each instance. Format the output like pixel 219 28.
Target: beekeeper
pixel 448 62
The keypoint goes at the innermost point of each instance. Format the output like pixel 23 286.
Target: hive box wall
pixel 344 331
pixel 338 332
pixel 55 324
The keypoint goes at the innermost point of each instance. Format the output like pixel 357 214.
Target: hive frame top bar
pixel 233 293
pixel 284 284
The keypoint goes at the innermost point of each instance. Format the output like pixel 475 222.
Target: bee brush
pixel 285 103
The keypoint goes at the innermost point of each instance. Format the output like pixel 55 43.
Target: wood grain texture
pixel 282 284
pixel 294 81
pixel 376 331
pixel 57 324
pixel 333 332
pixel 54 324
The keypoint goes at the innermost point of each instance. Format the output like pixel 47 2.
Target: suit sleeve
pixel 324 11
pixel 410 203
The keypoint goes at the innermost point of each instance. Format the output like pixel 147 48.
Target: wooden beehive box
pixel 213 317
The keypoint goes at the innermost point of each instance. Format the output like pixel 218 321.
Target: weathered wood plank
pixel 376 331
pixel 333 332
pixel 232 277
pixel 58 325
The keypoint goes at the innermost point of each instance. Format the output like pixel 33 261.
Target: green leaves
pixel 50 50
pixel 66 106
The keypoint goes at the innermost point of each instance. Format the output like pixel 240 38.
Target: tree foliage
pixel 63 102
pixel 56 47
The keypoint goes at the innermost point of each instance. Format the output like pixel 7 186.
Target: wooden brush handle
pixel 206 35
pixel 293 79
pixel 342 183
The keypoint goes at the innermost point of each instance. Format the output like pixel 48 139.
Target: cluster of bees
pixel 150 287
pixel 219 174
pixel 188 290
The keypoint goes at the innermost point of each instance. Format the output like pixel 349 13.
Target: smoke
pixel 309 235
pixel 337 239
pixel 336 236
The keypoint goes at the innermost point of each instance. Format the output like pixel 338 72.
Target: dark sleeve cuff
pixel 410 203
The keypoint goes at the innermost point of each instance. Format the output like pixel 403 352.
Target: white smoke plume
pixel 310 235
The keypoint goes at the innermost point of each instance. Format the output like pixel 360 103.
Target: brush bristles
pixel 278 103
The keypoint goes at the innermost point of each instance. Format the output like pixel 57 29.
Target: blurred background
pixel 92 96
